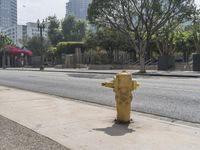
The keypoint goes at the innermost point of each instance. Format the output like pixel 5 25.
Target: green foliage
pixel 54 31
pixel 196 29
pixel 34 44
pixel 68 47
pixel 4 41
pixel 166 41
pixel 52 50
pixel 171 43
pixel 185 44
pixel 73 30
pixel 90 40
pixel 109 40
pixel 51 55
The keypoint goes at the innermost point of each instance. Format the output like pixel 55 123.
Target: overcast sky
pixel 31 10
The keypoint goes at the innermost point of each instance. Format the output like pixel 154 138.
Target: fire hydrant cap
pixel 124 72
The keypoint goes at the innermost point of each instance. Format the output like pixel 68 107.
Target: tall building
pixel 8 13
pixel 77 8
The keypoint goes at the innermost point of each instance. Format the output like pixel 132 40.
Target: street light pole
pixel 4 60
pixel 41 27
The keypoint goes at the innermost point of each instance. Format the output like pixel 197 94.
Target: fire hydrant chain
pixel 123 85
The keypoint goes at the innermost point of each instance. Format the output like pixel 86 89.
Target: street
pixel 176 98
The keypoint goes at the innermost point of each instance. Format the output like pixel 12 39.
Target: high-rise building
pixel 77 8
pixel 8 13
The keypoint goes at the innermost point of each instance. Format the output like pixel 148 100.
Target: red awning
pixel 13 50
pixel 16 51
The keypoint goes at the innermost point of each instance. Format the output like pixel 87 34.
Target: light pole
pixel 41 27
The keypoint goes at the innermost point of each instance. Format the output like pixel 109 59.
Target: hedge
pixel 69 47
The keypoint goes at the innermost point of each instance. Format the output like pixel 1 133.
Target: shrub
pixel 68 47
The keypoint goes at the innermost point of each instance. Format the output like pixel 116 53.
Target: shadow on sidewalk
pixel 116 130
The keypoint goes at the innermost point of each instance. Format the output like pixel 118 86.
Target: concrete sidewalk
pixel 83 126
pixel 191 74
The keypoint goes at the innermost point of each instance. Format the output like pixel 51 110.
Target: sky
pixel 31 10
pixel 197 2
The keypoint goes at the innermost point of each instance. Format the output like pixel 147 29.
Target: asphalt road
pixel 177 98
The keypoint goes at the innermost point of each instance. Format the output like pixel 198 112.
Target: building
pixel 16 33
pixel 77 8
pixel 32 30
pixel 19 33
pixel 8 13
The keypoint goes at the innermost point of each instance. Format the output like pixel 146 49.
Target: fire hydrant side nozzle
pixel 109 84
pixel 135 84
pixel 123 85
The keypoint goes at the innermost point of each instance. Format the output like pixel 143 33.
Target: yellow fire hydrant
pixel 123 85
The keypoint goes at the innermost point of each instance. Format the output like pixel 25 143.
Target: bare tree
pixel 139 19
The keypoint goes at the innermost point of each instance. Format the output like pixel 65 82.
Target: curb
pixel 168 75
pixel 112 73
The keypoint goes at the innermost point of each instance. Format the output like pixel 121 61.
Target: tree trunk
pixel 142 63
pixel 143 46
pixel 110 55
pixel 116 56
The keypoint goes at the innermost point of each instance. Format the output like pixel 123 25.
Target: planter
pixel 196 62
pixel 166 63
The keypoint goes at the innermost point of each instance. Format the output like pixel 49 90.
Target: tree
pixel 108 39
pixel 185 44
pixel 68 47
pixel 54 31
pixel 34 44
pixel 73 30
pixel 4 41
pixel 90 40
pixel 139 19
pixel 51 54
pixel 196 30
pixel 166 41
